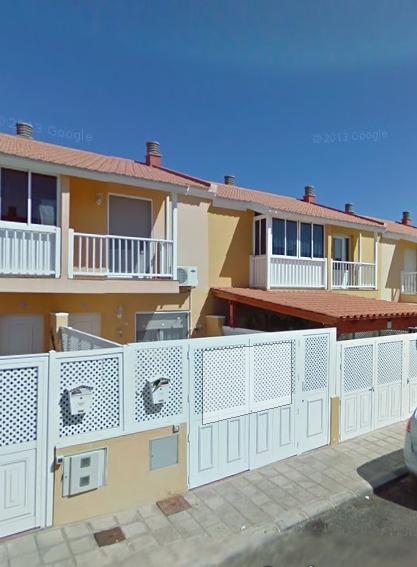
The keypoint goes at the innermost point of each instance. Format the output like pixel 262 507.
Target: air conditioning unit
pixel 187 276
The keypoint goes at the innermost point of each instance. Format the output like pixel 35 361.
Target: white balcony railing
pixel 409 283
pixel 120 256
pixel 29 250
pixel 355 275
pixel 288 272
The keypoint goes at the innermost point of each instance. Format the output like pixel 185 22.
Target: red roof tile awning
pixel 348 313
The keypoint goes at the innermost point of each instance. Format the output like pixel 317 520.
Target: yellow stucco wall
pixel 87 216
pixel 130 482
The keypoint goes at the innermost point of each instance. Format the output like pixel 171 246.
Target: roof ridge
pixel 184 175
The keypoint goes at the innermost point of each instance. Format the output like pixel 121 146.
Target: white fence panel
pixel 103 371
pixel 75 340
pixel 375 382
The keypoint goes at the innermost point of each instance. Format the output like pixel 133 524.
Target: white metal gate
pixel 255 399
pixel 25 479
pixel 375 386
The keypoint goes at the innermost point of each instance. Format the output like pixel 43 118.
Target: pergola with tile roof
pixel 348 313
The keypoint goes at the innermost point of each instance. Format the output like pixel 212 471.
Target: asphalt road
pixel 380 530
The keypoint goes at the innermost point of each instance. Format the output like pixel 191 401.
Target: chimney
pixel 229 179
pixel 406 218
pixel 309 196
pixel 349 208
pixel 153 155
pixel 24 129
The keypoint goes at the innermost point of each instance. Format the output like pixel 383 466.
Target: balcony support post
pixel 64 210
pixel 174 234
pixel 268 250
pixel 232 314
pixel 375 260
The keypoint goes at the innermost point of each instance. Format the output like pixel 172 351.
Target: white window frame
pixel 29 223
pixel 164 312
pixel 298 255
pixel 345 238
pixel 258 219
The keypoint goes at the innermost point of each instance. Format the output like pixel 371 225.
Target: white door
pixel 341 254
pixel 21 334
pixel 86 322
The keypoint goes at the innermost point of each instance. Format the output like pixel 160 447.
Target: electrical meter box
pixel 159 388
pixel 84 472
pixel 80 399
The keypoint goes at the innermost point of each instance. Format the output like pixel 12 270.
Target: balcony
pixel 353 275
pixel 310 273
pixel 107 256
pixel 288 272
pixel 29 250
pixel 409 283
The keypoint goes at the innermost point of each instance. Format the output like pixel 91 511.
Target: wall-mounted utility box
pixel 80 399
pixel 84 472
pixel 159 388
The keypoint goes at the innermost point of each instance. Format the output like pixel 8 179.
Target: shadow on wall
pixel 393 282
pixel 236 245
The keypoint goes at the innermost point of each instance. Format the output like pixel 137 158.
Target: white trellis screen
pixel 75 340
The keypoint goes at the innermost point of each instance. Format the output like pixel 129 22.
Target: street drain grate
pixel 173 505
pixel 108 537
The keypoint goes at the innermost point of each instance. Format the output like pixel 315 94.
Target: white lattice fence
pixel 75 340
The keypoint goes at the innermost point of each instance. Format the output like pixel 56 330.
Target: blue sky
pixel 279 93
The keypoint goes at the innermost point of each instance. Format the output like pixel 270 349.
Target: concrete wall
pixel 130 482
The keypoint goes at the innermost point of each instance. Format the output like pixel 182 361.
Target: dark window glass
pixel 305 237
pixel 14 195
pixel 257 224
pixel 278 236
pixel 291 238
pixel 263 237
pixel 161 326
pixel 318 241
pixel 43 199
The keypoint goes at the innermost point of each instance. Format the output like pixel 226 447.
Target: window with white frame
pixel 28 197
pixel 259 244
pixel 162 326
pixel 297 239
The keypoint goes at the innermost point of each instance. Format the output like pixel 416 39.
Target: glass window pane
pixel 161 326
pixel 257 225
pixel 43 199
pixel 263 237
pixel 318 241
pixel 305 237
pixel 291 238
pixel 14 195
pixel 278 236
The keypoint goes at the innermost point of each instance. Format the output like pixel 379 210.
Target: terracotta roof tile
pixel 292 205
pixel 327 303
pixel 61 155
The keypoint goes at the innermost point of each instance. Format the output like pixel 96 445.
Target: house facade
pixel 135 252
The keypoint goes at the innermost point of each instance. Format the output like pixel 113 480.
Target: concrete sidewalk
pixel 227 517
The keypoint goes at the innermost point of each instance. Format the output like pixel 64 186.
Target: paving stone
pixel 26 560
pixel 290 518
pixel 134 529
pixel 219 531
pixel 82 545
pixel 48 538
pixel 21 545
pixel 157 522
pixel 149 511
pixel 103 523
pixel 166 534
pixel 185 524
pixel 92 559
pixel 56 553
pixel 116 552
pixel 75 531
pixel 127 516
pixel 144 541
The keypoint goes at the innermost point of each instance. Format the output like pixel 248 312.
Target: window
pixel 162 326
pixel 260 237
pixel 278 236
pixel 304 240
pixel 28 197
pixel 43 199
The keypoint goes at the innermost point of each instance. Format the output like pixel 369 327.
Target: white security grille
pixel 273 371
pixel 390 364
pixel 316 363
pixel 18 405
pixel 156 362
pixel 413 359
pixel 103 373
pixel 73 340
pixel 357 368
pixel 225 382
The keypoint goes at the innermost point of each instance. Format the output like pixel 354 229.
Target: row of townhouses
pixel 135 253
